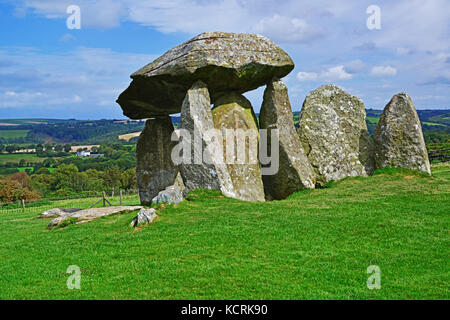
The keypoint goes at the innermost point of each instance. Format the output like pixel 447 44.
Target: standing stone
pixel 203 167
pixel 154 167
pixel 334 135
pixel 294 171
pixel 398 137
pixel 233 111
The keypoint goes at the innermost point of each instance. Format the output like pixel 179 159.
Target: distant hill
pixel 20 131
pixel 435 124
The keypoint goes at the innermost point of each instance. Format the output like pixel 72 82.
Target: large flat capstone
pixel 223 61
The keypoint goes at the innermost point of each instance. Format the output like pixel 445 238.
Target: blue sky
pixel 47 70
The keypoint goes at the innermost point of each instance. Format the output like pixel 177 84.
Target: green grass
pixel 433 124
pixel 372 119
pixel 40 206
pixel 314 245
pixel 13 133
pixel 16 157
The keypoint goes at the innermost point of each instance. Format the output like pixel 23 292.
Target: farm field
pixel 316 244
pixel 372 119
pixel 16 157
pixel 23 121
pixel 129 136
pixel 13 133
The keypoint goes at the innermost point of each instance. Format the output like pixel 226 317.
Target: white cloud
pixel 82 80
pixel 354 66
pixel 382 71
pixel 413 38
pixel 99 13
pixel 307 76
pixel 403 51
pixel 415 24
pixel 287 29
pixel 336 73
pixel 331 74
pixel 67 37
pixel 289 23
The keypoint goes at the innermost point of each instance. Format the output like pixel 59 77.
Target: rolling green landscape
pixel 13 133
pixel 317 244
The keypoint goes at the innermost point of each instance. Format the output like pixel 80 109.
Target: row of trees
pixel 16 187
pixel 48 147
pixel 60 176
pixel 65 180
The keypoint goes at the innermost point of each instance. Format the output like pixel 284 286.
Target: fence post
pixel 112 193
pixel 23 205
pixel 104 197
pixel 120 196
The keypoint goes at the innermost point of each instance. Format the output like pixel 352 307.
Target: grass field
pixel 13 133
pixel 129 136
pixel 433 124
pixel 372 119
pixel 16 157
pixel 315 245
pixel 24 121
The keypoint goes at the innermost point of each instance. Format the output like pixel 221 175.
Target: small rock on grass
pixel 172 194
pixel 144 216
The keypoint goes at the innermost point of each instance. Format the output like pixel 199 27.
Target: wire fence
pixel 441 155
pixel 82 201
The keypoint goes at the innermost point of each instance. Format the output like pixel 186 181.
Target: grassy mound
pixel 316 244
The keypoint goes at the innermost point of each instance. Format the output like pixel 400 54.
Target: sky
pixel 50 71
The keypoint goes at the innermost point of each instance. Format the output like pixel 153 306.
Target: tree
pixel 58 148
pixel 42 182
pixel 49 162
pixel 67 147
pixel 42 171
pixel 23 179
pixel 11 148
pixel 128 179
pixel 63 176
pixel 48 147
pixel 17 186
pixel 95 180
pixel 39 150
pixel 112 177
